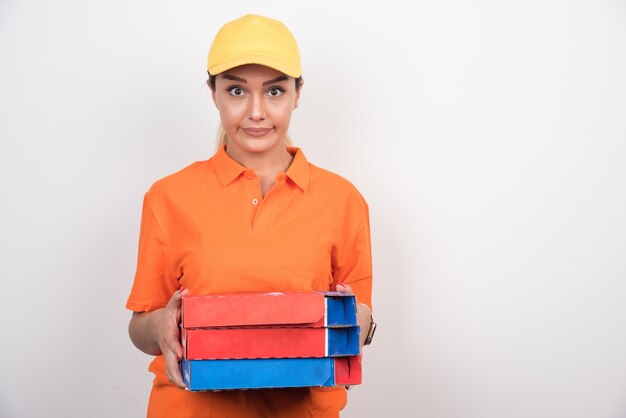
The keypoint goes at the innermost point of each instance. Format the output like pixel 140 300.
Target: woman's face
pixel 255 104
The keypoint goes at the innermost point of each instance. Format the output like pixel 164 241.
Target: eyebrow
pixel 235 78
pixel 275 80
pixel 265 83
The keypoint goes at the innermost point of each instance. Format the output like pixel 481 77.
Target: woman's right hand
pixel 156 332
pixel 167 335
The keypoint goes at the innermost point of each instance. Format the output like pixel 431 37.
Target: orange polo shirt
pixel 208 228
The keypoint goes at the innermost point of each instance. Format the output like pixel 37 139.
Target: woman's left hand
pixel 363 314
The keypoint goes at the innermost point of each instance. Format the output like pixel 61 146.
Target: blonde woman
pixel 255 217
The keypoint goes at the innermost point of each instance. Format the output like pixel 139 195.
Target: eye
pixel 275 91
pixel 235 91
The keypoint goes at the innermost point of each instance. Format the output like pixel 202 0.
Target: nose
pixel 257 108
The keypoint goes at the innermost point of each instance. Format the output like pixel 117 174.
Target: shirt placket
pixel 260 209
pixel 253 194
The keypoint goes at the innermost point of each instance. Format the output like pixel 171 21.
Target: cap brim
pixel 278 65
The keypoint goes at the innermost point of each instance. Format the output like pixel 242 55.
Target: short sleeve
pixel 154 284
pixel 352 256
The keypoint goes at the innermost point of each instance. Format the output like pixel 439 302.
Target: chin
pixel 259 145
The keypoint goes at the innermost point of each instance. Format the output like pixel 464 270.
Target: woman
pixel 256 217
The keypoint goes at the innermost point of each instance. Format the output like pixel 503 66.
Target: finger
pixel 172 369
pixel 173 353
pixel 364 319
pixel 344 288
pixel 174 301
pixel 173 346
pixel 181 295
pixel 177 297
pixel 363 309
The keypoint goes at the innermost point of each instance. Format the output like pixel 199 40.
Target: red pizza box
pixel 280 309
pixel 236 343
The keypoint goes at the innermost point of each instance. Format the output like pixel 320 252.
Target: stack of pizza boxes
pixel 270 340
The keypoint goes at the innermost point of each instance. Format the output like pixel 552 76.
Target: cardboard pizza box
pixel 204 375
pixel 279 309
pixel 233 343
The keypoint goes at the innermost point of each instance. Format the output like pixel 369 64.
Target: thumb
pixel 176 298
pixel 343 288
pixel 180 295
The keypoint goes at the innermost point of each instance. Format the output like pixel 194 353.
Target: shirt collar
pixel 299 171
pixel 228 169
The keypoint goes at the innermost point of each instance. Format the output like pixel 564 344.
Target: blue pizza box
pixel 205 375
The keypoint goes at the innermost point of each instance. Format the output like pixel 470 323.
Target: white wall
pixel 488 136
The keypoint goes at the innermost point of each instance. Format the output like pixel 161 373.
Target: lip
pixel 256 132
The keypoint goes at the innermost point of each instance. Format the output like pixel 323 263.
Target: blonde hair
pixel 222 138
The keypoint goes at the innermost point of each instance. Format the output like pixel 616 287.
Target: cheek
pixel 281 114
pixel 231 115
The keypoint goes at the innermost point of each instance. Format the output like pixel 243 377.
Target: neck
pixel 267 163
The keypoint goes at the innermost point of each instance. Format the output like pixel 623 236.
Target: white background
pixel 489 138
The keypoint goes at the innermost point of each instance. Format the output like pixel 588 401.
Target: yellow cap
pixel 254 39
